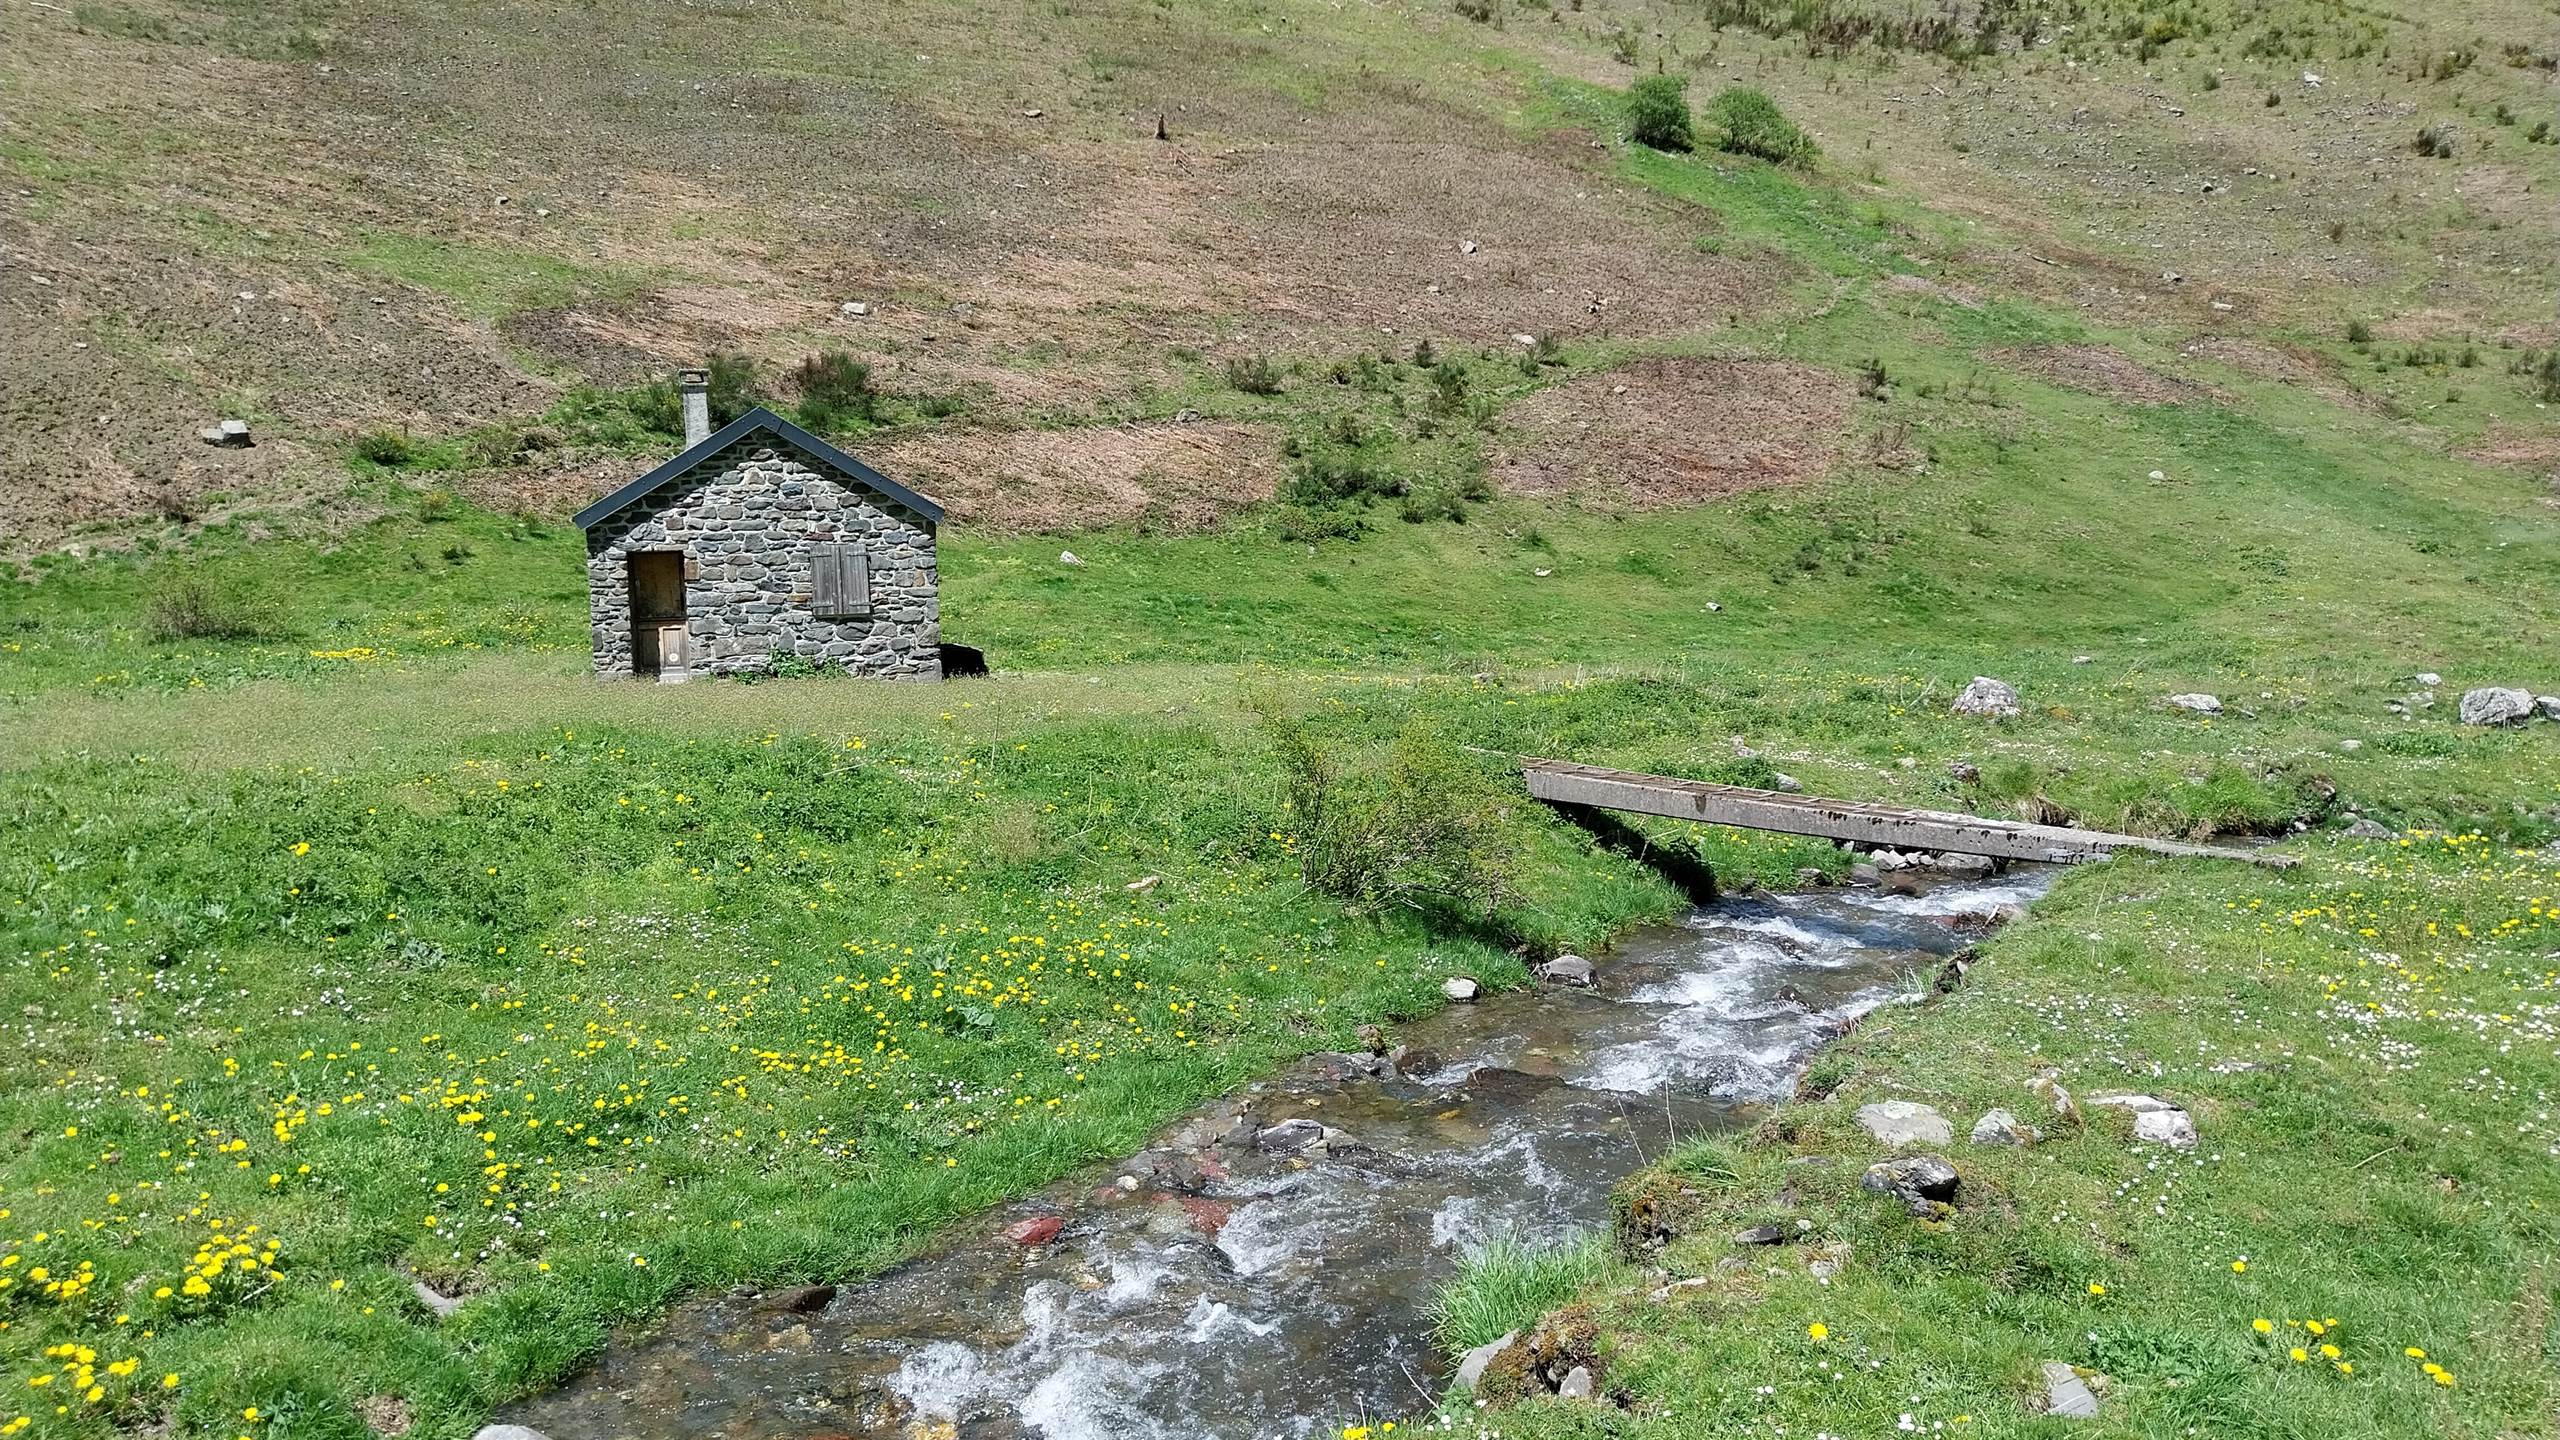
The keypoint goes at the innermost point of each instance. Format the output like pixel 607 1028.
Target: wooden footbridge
pixel 1899 827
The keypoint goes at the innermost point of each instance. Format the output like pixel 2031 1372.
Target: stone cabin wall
pixel 746 520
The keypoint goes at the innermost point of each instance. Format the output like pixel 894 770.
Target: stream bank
pixel 1265 1267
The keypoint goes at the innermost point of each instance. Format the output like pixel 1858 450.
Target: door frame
pixel 652 624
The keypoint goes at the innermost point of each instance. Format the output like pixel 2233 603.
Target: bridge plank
pixel 1865 822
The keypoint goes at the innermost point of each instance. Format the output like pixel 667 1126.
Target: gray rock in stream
pixel 1567 970
pixel 1905 1122
pixel 1289 1135
pixel 508 1432
pixel 1471 1369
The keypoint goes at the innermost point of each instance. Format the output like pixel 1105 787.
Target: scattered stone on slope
pixel 2496 705
pixel 2367 829
pixel 229 434
pixel 1905 1122
pixel 435 1300
pixel 2154 1120
pixel 1986 696
pixel 2066 1394
pixel 1922 1183
pixel 2048 1087
pixel 1761 1235
pixel 1999 1127
pixel 2198 702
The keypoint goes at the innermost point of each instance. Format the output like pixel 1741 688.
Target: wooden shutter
pixel 839 581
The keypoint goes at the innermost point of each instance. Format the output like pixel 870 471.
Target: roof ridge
pixel 758 418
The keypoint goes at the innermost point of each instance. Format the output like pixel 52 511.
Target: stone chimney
pixel 694 387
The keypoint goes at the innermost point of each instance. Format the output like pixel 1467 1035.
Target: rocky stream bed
pixel 1266 1267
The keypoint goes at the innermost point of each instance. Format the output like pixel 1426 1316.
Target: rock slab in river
pixel 1905 1122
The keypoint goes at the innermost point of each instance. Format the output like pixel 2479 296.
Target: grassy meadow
pixel 370 943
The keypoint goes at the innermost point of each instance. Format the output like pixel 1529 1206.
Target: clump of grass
pixel 1752 124
pixel 1507 1283
pixel 1254 374
pixel 2434 141
pixel 835 391
pixel 1658 113
pixel 201 604
pixel 390 449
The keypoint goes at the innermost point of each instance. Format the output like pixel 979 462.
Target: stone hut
pixel 762 543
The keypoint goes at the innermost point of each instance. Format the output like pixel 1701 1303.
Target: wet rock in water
pixel 2495 705
pixel 1406 1060
pixel 1957 864
pixel 2066 1394
pixel 1863 873
pixel 1761 1235
pixel 1999 1127
pixel 2154 1120
pixel 800 1299
pixel 2367 830
pixel 1207 1216
pixel 1508 1087
pixel 1471 1369
pixel 2201 704
pixel 794 1340
pixel 1342 1064
pixel 1289 1136
pixel 508 1432
pixel 1459 988
pixel 1567 970
pixel 1922 1183
pixel 1038 1230
pixel 1905 1122
pixel 436 1301
pixel 1986 696
pixel 1576 1385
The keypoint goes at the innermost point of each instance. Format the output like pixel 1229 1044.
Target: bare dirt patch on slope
pixel 1165 476
pixel 1665 432
pixel 2098 370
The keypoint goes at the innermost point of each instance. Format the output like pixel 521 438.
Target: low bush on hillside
pixel 388 448
pixel 1254 375
pixel 736 387
pixel 1752 124
pixel 1658 112
pixel 199 604
pixel 835 391
pixel 1418 827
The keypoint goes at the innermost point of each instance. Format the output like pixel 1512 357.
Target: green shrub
pixel 835 391
pixel 2359 333
pixel 435 506
pixel 736 386
pixel 388 448
pixel 201 605
pixel 1752 124
pixel 1418 828
pixel 1658 112
pixel 1254 375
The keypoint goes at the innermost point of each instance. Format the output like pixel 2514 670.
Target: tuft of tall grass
pixel 1508 1282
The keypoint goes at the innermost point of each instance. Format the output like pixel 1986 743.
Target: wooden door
pixel 657 611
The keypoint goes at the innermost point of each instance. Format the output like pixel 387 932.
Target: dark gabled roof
pixel 739 429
